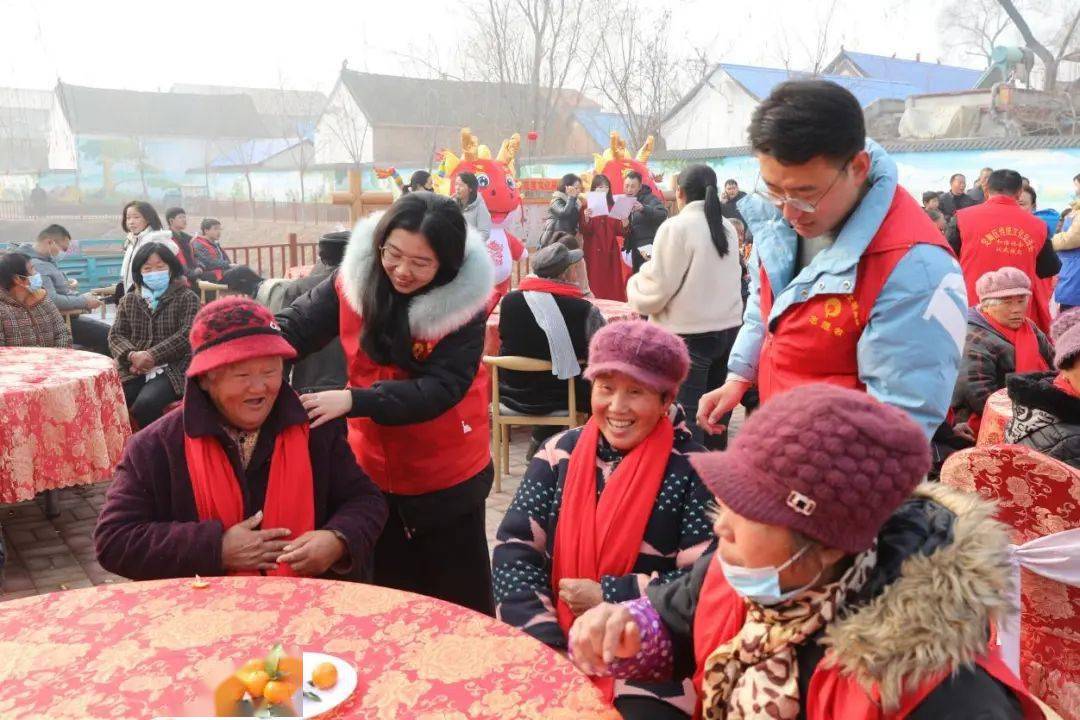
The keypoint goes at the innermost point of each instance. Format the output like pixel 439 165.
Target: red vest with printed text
pixel 421 457
pixel 832 694
pixel 817 340
pixel 999 233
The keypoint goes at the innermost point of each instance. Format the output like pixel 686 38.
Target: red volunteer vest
pixel 422 457
pixel 999 233
pixel 817 340
pixel 209 247
pixel 832 695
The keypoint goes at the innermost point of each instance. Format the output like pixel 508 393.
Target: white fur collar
pixel 434 314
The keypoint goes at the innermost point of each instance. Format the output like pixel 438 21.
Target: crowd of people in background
pixel 345 432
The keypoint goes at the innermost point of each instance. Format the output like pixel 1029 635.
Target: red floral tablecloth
pixel 140 650
pixel 610 309
pixel 996 415
pixel 62 420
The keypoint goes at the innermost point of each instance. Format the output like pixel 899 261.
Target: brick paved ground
pixel 46 555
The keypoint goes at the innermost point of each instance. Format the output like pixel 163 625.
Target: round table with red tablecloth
pixel 610 309
pixel 63 420
pixel 996 415
pixel 140 650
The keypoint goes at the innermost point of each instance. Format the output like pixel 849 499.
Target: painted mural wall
pixel 1051 171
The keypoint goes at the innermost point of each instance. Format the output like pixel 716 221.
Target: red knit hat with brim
pixel 828 462
pixel 232 330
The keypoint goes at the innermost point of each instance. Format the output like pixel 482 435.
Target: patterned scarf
pixel 755 674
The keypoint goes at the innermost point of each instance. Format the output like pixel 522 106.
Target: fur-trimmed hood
pixel 1036 391
pixel 441 310
pixel 943 576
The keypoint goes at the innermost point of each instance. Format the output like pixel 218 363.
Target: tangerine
pixel 325 676
pixel 278 692
pixel 254 681
pixel 252 665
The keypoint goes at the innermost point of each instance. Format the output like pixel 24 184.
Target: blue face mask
pixel 156 282
pixel 35 281
pixel 762 585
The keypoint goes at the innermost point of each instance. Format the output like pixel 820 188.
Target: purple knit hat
pixel 828 462
pixel 644 351
pixel 1065 332
pixel 1003 282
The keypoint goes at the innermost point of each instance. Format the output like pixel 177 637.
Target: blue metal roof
pixel 923 76
pixel 760 81
pixel 599 125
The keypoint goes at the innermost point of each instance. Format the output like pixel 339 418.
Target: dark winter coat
pixel 989 360
pixel 541 393
pixel 149 526
pixel 563 214
pixel 949 203
pixel 1044 418
pixel 163 332
pixel 955 550
pixel 677 533
pixel 644 224
pixel 40 325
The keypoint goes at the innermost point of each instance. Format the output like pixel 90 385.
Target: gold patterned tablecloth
pixel 63 420
pixel 140 650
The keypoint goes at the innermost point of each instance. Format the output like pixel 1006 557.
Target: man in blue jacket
pixel 851 282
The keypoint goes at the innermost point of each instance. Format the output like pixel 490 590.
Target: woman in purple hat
pixel 236 482
pixel 841 588
pixel 612 508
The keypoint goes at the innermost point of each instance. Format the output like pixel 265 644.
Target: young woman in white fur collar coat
pixel 408 304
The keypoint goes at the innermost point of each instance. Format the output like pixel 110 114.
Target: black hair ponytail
pixel 698 182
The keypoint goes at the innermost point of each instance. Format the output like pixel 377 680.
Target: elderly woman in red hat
pixel 840 589
pixel 610 509
pixel 235 481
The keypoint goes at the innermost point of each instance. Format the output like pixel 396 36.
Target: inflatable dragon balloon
pixel 497 179
pixel 616 161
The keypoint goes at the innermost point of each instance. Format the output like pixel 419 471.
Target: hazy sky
pixel 150 44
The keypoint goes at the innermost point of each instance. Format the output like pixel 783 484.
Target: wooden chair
pixel 1036 497
pixel 69 314
pixel 502 417
pixel 102 293
pixel 219 291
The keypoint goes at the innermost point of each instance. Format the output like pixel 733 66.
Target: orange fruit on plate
pixel 325 676
pixel 252 665
pixel 254 681
pixel 278 692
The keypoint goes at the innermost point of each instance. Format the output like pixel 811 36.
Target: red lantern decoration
pixel 532 135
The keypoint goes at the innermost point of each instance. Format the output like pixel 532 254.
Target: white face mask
pixel 762 585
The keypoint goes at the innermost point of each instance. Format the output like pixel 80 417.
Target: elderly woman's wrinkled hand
pixel 243 548
pixel 602 635
pixel 580 594
pixel 313 553
pixel 141 361
pixel 322 407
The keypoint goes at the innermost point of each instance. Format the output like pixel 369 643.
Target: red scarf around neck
pixel 290 494
pixel 595 538
pixel 532 283
pixel 1025 343
pixel 1062 383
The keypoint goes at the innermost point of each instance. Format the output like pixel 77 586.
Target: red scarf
pixel 290 495
pixel 538 284
pixel 1062 383
pixel 1025 342
pixel 604 538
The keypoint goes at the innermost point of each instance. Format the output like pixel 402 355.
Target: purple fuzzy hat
pixel 1065 332
pixel 825 461
pixel 644 351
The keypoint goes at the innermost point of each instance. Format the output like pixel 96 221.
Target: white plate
pixel 336 695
